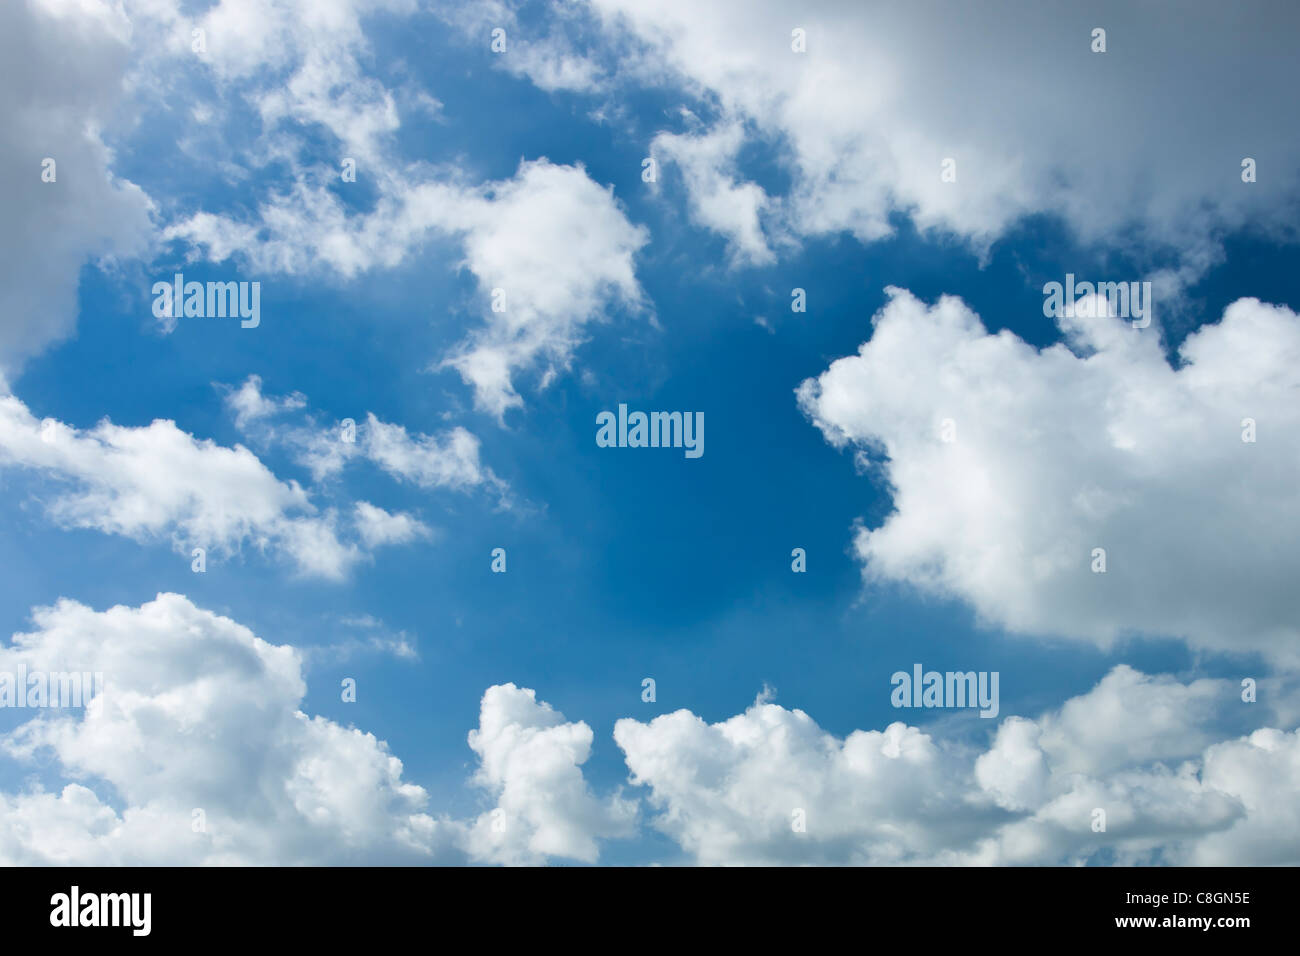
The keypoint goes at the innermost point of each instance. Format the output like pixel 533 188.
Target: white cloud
pixel 297 63
pixel 541 51
pixel 250 405
pixel 65 64
pixel 717 200
pixel 366 636
pixel 530 761
pixel 555 243
pixel 1131 718
pixel 1262 772
pixel 1057 454
pixel 1143 141
pixel 728 792
pixel 1228 804
pixel 199 713
pixel 378 527
pixel 449 460
pixel 158 482
pixel 1014 771
pixel 561 250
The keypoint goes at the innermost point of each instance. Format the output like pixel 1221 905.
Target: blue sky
pixel 632 563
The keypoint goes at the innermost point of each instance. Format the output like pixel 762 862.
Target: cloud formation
pixel 157 482
pixel 770 787
pixel 66 66
pixel 551 252
pixel 450 459
pixel 1094 443
pixel 530 760
pixel 1139 146
pixel 200 714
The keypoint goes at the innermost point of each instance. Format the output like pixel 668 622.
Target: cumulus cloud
pixel 560 249
pixel 551 250
pixel 378 527
pixel 530 761
pixel 1097 443
pixel 249 405
pixel 1207 810
pixel 734 792
pixel 320 47
pixel 450 459
pixel 157 482
pixel 556 243
pixel 717 201
pixel 540 49
pixel 1014 771
pixel 1143 141
pixel 65 65
pixel 198 713
pixel 299 64
pixel 1134 718
pixel 771 787
pixel 195 712
pixel 1262 773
